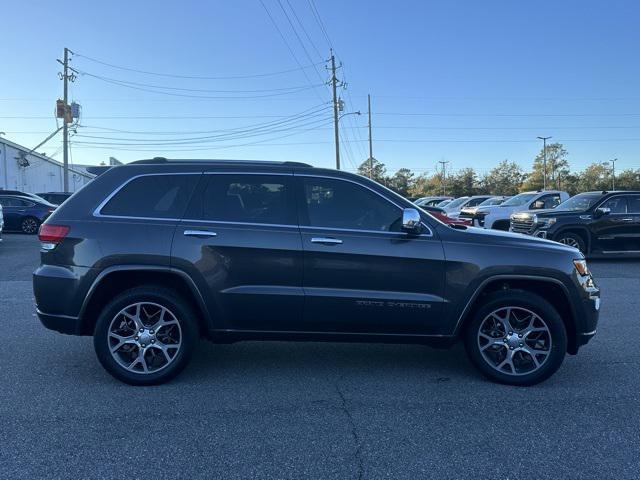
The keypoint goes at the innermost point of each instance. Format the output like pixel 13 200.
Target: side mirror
pixel 537 205
pixel 411 221
pixel 602 211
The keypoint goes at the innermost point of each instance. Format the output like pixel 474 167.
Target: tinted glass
pixel 8 202
pixel 153 196
pixel 551 201
pixel 14 202
pixel 634 204
pixel 616 204
pixel 247 199
pixel 341 204
pixel 474 202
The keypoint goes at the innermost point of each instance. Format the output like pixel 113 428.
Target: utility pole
pixel 613 173
pixel 544 155
pixel 444 164
pixel 370 140
pixel 334 87
pixel 65 77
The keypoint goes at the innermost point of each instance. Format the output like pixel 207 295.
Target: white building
pixel 33 173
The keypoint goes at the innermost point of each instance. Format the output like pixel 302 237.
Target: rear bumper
pixel 60 323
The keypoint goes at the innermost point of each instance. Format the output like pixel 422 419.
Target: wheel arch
pixel 116 279
pixel 551 289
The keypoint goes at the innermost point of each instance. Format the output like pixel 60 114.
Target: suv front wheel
pixel 516 338
pixel 145 336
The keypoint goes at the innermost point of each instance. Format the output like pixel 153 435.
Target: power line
pixel 320 23
pixel 197 77
pixel 133 86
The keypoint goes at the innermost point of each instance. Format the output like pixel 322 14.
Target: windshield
pixel 491 201
pixel 519 199
pixel 457 202
pixel 579 203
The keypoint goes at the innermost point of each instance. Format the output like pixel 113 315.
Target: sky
pixel 467 82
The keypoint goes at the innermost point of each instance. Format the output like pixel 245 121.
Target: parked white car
pixel 497 217
pixel 454 208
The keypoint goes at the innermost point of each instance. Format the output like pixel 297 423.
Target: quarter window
pixel 266 199
pixel 339 204
pixel 153 196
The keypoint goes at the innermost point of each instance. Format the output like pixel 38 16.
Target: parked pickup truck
pixel 497 217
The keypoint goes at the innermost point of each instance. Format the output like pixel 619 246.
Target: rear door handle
pixel 626 220
pixel 326 240
pixel 199 233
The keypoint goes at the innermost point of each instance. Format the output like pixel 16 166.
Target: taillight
pixel 51 235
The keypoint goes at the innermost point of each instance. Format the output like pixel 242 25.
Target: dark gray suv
pixel 154 255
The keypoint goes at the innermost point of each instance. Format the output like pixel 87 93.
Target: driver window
pixel 616 205
pixel 341 204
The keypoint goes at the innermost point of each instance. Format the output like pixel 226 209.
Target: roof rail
pixel 159 160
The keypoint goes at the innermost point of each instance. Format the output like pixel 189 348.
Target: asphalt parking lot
pixel 278 410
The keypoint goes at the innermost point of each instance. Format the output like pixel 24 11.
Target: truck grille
pixel 522 225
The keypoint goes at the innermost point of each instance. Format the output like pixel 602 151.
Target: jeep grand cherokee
pixel 151 256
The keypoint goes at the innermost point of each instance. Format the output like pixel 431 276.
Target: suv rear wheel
pixel 145 336
pixel 516 338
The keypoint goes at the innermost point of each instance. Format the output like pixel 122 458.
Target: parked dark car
pixel 151 256
pixel 596 223
pixel 24 214
pixel 55 197
pixel 33 196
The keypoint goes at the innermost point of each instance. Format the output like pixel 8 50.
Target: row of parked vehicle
pixel 25 212
pixel 605 223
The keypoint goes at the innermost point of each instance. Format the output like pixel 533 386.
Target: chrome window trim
pixel 430 234
pixel 96 211
pixel 224 222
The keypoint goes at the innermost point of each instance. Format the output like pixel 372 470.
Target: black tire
pixel 523 300
pixel 176 305
pixel 29 225
pixel 572 239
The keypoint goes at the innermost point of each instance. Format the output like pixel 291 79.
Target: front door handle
pixel 326 240
pixel 199 233
pixel 625 219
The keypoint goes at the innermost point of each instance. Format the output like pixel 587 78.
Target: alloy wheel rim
pixel 144 337
pixel 514 341
pixel 572 242
pixel 29 225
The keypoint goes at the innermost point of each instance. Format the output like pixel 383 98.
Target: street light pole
pixel 613 173
pixel 544 155
pixel 370 140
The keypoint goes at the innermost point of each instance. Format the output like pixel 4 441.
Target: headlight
pixel 544 222
pixel 581 267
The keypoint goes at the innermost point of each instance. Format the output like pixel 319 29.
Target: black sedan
pixel 24 214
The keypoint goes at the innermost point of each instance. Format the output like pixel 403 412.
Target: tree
pixel 557 168
pixel 594 177
pixel 425 185
pixel 505 179
pixel 379 170
pixel 628 179
pixel 401 181
pixel 465 182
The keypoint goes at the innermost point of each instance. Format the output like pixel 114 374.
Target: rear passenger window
pixel 153 196
pixel 241 198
